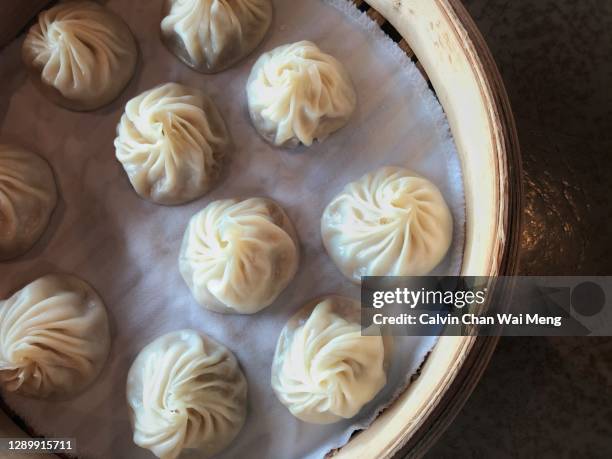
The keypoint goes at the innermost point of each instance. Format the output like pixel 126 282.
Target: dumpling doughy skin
pixel 171 141
pixel 297 94
pixel 391 222
pixel 212 35
pixel 28 195
pixel 185 391
pixel 237 256
pixel 54 338
pixel 324 370
pixel 80 54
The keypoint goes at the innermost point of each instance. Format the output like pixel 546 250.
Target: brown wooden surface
pixel 15 15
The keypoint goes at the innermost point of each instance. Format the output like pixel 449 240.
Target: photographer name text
pixel 466 319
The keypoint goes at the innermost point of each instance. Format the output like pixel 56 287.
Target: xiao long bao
pixel 324 370
pixel 211 35
pixel 391 222
pixel 171 141
pixel 186 393
pixel 80 54
pixel 55 338
pixel 237 256
pixel 28 196
pixel 298 94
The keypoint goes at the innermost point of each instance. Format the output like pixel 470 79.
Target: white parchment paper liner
pixel 127 248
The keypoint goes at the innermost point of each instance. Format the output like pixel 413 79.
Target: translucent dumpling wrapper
pixel 391 222
pixel 186 393
pixel 211 35
pixel 171 141
pixel 28 196
pixel 237 255
pixel 80 54
pixel 298 94
pixel 54 338
pixel 324 370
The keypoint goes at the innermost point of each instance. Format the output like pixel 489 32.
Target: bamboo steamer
pixel 442 39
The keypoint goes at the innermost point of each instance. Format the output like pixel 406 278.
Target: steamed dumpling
pixel 211 35
pixel 390 222
pixel 185 391
pixel 238 256
pixel 171 142
pixel 80 54
pixel 324 370
pixel 54 337
pixel 28 196
pixel 297 94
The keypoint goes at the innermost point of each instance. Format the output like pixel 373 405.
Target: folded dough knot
pixel 83 51
pixel 297 93
pixel 54 337
pixel 186 391
pixel 171 141
pixel 391 222
pixel 211 35
pixel 325 370
pixel 28 195
pixel 237 256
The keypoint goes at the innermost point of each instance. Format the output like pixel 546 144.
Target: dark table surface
pixel 551 397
